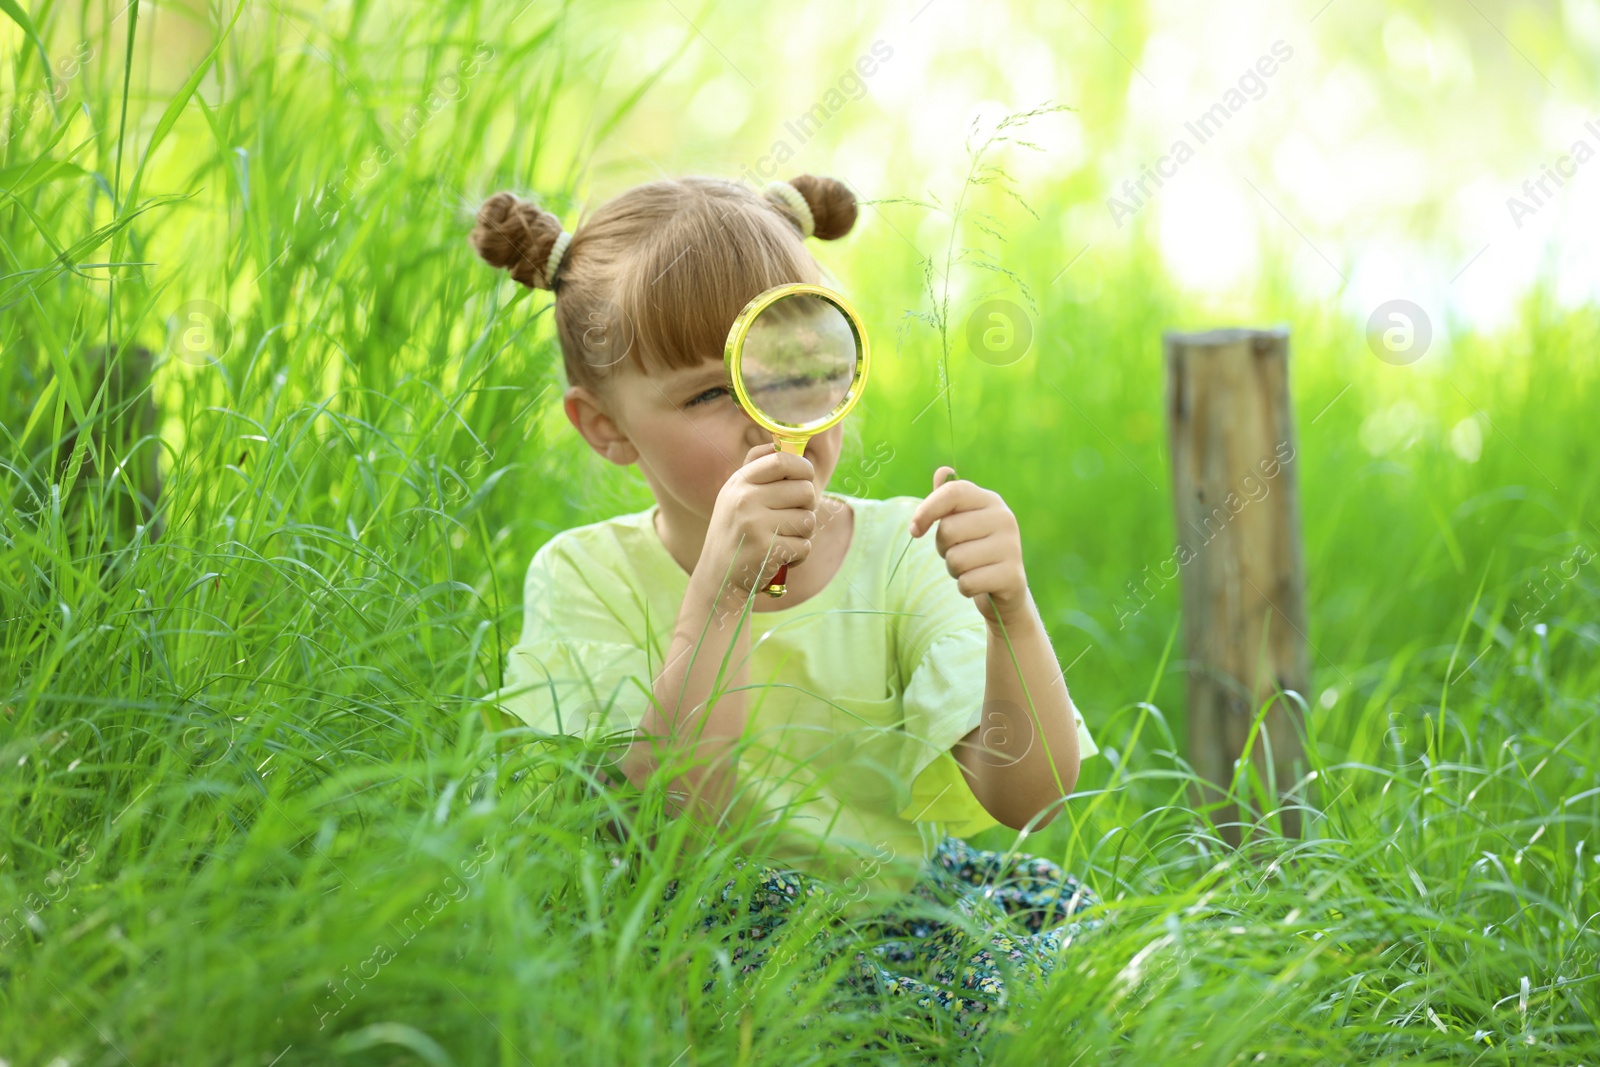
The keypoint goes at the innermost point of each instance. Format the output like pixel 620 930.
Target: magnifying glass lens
pixel 799 359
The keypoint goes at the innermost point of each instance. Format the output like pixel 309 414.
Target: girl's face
pixel 687 435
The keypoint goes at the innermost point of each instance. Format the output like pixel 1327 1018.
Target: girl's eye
pixel 706 394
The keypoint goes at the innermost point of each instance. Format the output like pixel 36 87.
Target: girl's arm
pixel 1023 757
pixel 678 721
pixel 767 507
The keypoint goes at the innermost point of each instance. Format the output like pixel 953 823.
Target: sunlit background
pixel 1378 160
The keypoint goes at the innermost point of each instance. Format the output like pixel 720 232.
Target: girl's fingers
pixel 796 522
pixel 769 466
pixel 970 556
pixel 991 578
pixel 783 494
pixel 948 499
pixel 965 526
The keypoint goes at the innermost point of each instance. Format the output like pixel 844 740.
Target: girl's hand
pixel 980 542
pixel 766 512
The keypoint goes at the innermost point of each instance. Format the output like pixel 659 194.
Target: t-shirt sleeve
pixel 944 650
pixel 577 668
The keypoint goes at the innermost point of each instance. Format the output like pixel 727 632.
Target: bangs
pixel 682 291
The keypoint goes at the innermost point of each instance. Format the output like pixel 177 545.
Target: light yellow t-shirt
pixel 858 693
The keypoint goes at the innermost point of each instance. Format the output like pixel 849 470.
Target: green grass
pixel 251 806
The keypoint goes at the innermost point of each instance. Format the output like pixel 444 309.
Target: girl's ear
pixel 622 453
pixel 589 417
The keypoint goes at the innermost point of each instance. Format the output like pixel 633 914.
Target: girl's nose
pixel 754 434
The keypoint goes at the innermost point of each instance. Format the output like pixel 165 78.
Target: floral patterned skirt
pixel 1011 917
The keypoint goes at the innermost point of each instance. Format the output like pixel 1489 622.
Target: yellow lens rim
pixel 733 354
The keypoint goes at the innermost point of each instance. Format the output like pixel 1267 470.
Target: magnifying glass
pixel 797 362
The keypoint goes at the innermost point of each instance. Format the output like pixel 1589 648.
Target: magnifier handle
pixel 777 587
pixel 796 446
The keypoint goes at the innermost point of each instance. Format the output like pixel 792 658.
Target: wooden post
pixel 1235 482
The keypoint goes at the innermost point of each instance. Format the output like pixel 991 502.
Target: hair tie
pixel 797 203
pixel 558 251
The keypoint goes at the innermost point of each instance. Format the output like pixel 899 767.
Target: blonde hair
pixel 658 274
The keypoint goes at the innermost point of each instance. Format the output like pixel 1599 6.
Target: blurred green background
pixel 242 737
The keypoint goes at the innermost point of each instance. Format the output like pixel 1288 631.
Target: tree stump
pixel 1235 484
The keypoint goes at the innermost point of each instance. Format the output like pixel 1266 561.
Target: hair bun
pixel 833 205
pixel 516 235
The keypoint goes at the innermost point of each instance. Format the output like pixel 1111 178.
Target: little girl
pixel 900 696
